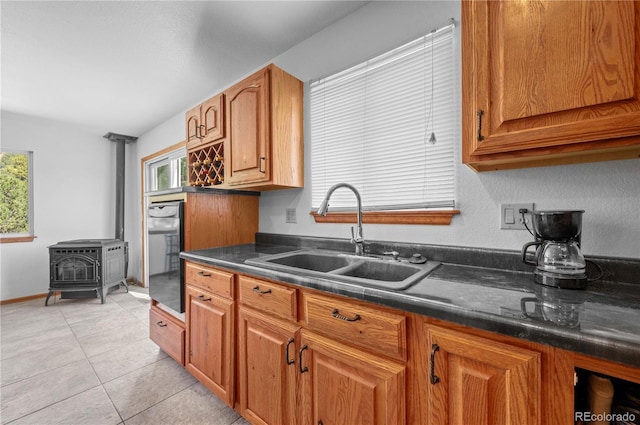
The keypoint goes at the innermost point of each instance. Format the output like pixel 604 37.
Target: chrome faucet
pixel 356 237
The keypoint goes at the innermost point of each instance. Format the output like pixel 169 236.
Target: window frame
pixel 28 236
pixel 406 214
pixel 172 159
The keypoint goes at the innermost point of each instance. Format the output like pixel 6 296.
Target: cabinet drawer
pixel 210 279
pixel 165 331
pixel 268 297
pixel 372 329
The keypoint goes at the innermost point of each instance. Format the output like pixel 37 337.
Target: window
pixel 388 127
pixel 16 183
pixel 167 172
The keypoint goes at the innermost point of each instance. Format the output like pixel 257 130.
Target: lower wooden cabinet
pixel 209 342
pixel 167 332
pixel 476 381
pixel 267 368
pixel 343 385
pixel 293 356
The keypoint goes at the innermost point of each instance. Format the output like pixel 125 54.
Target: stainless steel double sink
pixel 360 270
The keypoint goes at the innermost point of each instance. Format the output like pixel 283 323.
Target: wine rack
pixel 206 165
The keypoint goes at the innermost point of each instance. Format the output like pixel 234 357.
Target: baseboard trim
pixel 23 299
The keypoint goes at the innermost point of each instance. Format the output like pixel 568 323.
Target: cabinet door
pixel 192 118
pixel 340 385
pixel 212 119
pixel 549 79
pixel 209 321
pixel 474 381
pixel 247 107
pixel 267 369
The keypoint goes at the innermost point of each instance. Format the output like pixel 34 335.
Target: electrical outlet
pixel 511 218
pixel 291 215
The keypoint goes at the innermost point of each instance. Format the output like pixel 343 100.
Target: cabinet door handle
pixel 337 315
pixel 202 130
pixel 198 136
pixel 161 324
pixel 202 298
pixel 293 361
pixel 205 274
pixel 480 136
pixel 262 158
pixel 259 291
pixel 305 369
pixel 432 376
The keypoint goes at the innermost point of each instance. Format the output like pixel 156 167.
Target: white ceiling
pixel 127 66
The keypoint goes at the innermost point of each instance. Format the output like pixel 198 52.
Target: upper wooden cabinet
pixel 264 121
pixel 549 82
pixel 205 122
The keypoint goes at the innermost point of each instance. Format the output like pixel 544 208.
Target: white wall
pixel 74 193
pixel 609 192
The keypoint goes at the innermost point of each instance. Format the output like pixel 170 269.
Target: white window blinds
pixel 371 127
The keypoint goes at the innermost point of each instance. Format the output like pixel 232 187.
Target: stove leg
pixel 126 285
pixel 46 302
pixel 101 292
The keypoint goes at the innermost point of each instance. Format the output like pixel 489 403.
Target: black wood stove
pixel 87 267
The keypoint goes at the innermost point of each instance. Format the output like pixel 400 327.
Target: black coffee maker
pixel 558 259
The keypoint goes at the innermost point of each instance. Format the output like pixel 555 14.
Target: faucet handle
pixel 393 254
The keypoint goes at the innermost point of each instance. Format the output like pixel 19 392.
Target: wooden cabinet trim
pixel 389 217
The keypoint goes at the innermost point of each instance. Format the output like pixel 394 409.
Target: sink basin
pixel 364 271
pixel 310 261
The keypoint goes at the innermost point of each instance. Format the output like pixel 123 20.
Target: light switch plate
pixel 291 215
pixel 510 217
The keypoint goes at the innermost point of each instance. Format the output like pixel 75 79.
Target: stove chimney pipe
pixel 120 141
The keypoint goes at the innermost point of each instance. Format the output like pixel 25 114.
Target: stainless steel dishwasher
pixel 165 240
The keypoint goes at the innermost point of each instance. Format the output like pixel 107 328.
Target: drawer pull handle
pixel 202 298
pixel 305 369
pixel 257 289
pixel 161 324
pixel 337 315
pixel 432 376
pixel 205 274
pixel 479 114
pixel 289 362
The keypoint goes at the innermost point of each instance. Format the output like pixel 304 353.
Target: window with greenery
pixel 167 172
pixel 388 127
pixel 16 183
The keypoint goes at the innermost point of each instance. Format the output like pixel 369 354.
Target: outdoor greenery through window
pixel 388 127
pixel 168 172
pixel 16 208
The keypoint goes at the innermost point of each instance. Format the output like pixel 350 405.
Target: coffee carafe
pixel 558 259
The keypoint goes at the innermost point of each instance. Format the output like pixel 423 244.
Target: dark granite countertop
pixel 601 321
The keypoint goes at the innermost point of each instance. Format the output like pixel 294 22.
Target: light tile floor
pixel 82 362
